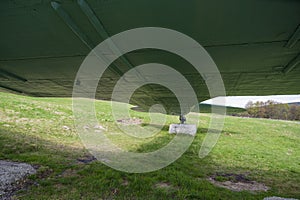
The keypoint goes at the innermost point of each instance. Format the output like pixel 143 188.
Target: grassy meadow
pixel 40 131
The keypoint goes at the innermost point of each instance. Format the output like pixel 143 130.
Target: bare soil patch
pixel 163 185
pixel 236 182
pixel 130 121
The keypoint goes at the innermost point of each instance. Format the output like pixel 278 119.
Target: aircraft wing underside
pixel 254 43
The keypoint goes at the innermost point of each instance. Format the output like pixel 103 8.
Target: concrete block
pixel 189 129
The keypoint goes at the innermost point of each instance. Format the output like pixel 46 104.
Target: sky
pixel 241 101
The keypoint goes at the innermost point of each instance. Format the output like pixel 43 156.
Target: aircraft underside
pixel 254 43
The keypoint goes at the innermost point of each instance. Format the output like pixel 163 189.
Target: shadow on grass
pixel 184 179
pixel 23 147
pixel 282 182
pixel 162 139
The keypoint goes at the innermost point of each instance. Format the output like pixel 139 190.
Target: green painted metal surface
pixel 255 44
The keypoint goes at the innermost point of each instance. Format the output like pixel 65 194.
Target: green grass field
pixel 40 131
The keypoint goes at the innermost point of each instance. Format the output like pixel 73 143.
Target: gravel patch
pixel 11 175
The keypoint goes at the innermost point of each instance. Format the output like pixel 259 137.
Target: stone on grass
pixel 10 174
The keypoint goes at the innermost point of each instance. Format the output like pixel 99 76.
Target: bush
pixel 272 109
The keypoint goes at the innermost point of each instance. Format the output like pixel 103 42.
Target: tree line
pixel 273 110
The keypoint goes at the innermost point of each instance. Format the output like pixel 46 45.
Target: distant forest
pixel 271 109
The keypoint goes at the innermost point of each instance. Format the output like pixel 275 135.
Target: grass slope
pixel 40 131
pixel 206 108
